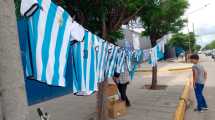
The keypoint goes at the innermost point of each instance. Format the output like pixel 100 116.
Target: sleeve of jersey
pixel 28 7
pixel 77 31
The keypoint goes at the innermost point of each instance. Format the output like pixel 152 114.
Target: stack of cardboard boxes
pixel 116 107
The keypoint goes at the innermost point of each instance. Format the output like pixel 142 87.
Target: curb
pixel 167 69
pixel 182 104
pixel 181 68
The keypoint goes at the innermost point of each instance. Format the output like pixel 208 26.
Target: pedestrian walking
pixel 199 79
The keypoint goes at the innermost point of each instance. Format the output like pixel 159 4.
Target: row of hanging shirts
pixel 54 37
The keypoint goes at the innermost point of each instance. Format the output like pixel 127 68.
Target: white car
pixel 200 52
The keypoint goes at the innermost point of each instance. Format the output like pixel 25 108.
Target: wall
pixel 135 39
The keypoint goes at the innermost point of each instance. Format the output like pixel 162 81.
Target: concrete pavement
pixel 209 94
pixel 146 104
pixel 158 104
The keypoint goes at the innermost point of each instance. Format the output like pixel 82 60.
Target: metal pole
pixel 12 90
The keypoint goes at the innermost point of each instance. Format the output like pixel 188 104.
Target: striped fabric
pixel 128 59
pixel 131 66
pixel 120 60
pixel 111 60
pixel 146 55
pixel 84 58
pixel 160 54
pixel 50 34
pixel 137 56
pixel 154 58
pixel 102 54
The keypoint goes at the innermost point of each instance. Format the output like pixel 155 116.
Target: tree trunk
pixel 154 77
pixel 104 29
pixel 154 68
pixel 12 90
pixel 102 102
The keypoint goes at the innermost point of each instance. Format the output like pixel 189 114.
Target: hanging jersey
pixel 84 57
pixel 128 59
pixel 131 66
pixel 111 60
pixel 137 57
pixel 120 60
pixel 146 55
pixel 101 58
pixel 160 54
pixel 154 59
pixel 50 33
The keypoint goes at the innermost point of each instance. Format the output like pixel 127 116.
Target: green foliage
pixel 210 46
pixel 94 14
pixel 185 41
pixel 160 19
pixel 197 47
pixel 116 34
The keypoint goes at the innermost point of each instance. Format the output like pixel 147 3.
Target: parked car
pixel 208 52
pixel 199 52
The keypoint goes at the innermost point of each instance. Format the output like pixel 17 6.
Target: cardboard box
pixel 111 90
pixel 117 109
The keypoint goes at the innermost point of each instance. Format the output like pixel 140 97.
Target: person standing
pixel 199 79
pixel 122 81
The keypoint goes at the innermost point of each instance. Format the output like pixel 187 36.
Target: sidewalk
pixel 146 104
pixel 158 104
pixel 209 94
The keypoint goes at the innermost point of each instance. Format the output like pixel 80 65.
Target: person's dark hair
pixel 116 74
pixel 194 57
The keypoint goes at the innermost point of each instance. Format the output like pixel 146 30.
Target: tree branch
pixel 120 19
pixel 127 19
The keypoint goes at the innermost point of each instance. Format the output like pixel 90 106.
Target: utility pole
pixel 12 90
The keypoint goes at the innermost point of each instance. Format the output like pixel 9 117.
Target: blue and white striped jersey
pixel 137 57
pixel 111 60
pixel 131 66
pixel 120 61
pixel 129 59
pixel 84 54
pixel 154 57
pixel 102 54
pixel 50 29
pixel 160 53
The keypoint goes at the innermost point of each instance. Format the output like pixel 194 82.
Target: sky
pixel 201 15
